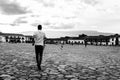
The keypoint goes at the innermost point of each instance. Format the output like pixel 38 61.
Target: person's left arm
pixel 34 36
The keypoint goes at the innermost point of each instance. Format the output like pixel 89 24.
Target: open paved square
pixel 17 61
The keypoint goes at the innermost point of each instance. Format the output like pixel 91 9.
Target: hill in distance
pixel 57 34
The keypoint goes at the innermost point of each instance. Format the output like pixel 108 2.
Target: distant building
pixel 114 40
pixel 2 39
pixel 55 41
pixel 15 38
pixel 98 40
pixel 75 40
pixel 28 39
pixel 101 40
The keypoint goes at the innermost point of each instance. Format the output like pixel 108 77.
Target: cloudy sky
pixel 25 15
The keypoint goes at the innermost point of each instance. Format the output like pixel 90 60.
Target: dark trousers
pixel 39 53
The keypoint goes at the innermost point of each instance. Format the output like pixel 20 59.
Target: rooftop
pixel 11 34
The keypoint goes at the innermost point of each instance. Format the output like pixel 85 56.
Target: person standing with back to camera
pixel 39 43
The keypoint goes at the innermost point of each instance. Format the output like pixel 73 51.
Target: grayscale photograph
pixel 59 39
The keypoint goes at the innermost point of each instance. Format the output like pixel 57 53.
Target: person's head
pixel 39 27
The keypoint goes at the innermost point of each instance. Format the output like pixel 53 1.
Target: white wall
pixel 119 40
pixel 77 41
pixel 112 41
pixel 2 39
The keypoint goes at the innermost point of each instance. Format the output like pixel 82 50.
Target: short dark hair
pixel 39 27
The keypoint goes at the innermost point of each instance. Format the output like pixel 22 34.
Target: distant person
pixel 39 38
pixel 72 43
pixel 85 42
pixel 61 46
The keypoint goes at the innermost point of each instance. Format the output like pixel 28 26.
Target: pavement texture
pixel 20 64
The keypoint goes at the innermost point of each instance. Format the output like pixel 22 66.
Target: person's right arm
pixel 44 39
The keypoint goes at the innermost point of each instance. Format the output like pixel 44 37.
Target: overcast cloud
pixel 100 15
pixel 11 8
